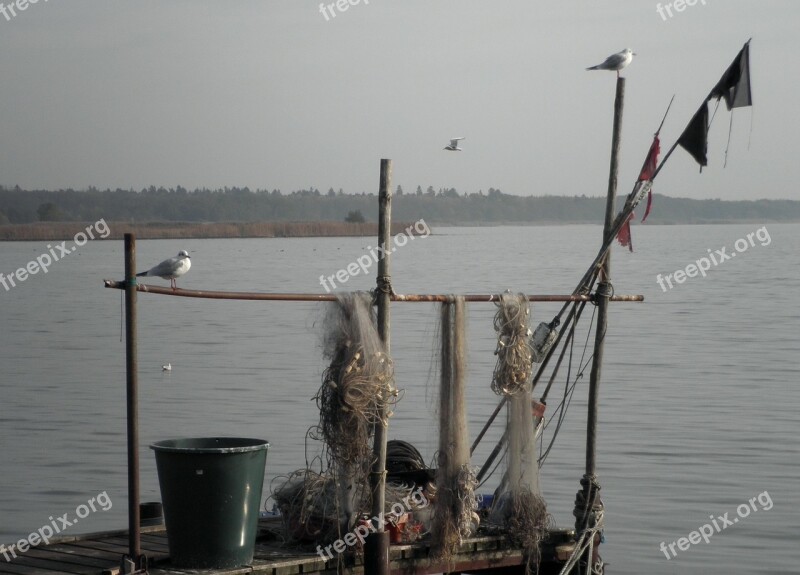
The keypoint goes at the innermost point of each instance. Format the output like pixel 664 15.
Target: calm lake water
pixel 699 397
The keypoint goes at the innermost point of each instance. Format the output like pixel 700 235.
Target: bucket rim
pixel 245 444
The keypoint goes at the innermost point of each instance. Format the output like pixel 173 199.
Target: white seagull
pixel 616 62
pixel 453 147
pixel 167 367
pixel 171 269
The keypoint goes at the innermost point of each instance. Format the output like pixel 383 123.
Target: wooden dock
pixel 101 553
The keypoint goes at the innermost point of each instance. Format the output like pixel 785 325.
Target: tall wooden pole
pixel 131 367
pixel 588 502
pixel 603 287
pixel 376 553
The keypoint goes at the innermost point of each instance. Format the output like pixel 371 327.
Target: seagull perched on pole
pixel 171 269
pixel 616 62
pixel 453 147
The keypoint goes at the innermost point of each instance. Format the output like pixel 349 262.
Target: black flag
pixel 695 137
pixel 734 85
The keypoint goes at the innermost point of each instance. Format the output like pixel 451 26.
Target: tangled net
pixel 356 388
pixel 454 516
pixel 524 517
pixel 514 355
pixel 357 384
pixel 308 504
pixel 519 509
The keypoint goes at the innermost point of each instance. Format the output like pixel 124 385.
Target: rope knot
pixel 384 284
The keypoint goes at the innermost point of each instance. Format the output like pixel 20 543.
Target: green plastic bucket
pixel 211 492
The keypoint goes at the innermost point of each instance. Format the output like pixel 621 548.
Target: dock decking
pixel 100 554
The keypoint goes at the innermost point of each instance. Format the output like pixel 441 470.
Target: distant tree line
pixel 442 206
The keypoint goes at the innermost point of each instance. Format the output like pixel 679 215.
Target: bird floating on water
pixel 167 367
pixel 171 269
pixel 616 62
pixel 453 147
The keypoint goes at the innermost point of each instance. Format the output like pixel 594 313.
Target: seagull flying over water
pixel 453 147
pixel 616 62
pixel 171 269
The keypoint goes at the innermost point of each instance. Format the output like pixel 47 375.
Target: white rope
pixel 583 544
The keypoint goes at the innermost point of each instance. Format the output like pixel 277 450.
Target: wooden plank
pixel 83 552
pixel 50 554
pixel 308 564
pixel 53 566
pixel 12 569
pixel 88 551
pixel 103 534
pixel 162 538
pixel 148 546
pixel 487 545
pixel 466 562
pixel 102 546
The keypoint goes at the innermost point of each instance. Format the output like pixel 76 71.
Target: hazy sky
pixel 270 94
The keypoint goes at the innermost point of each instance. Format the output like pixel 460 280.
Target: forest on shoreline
pixel 240 212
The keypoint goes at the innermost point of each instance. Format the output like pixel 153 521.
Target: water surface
pixel 699 397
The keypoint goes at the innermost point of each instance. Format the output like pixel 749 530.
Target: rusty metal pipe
pixel 304 297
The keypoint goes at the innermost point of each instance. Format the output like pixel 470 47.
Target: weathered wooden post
pixel 587 501
pixel 133 562
pixel 376 552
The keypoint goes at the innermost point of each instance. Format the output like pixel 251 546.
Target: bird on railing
pixel 616 62
pixel 171 269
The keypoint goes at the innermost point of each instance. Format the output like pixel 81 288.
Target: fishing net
pixel 518 508
pixel 357 383
pixel 309 507
pixel 454 515
pixel 356 386
pixel 307 502
pixel 514 356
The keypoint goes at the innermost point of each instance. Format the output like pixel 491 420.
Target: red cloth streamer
pixel 624 236
pixel 647 173
pixel 649 170
pixel 651 162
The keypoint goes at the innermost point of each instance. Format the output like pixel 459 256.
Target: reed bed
pixel 51 231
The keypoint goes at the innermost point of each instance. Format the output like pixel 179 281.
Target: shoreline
pixel 52 231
